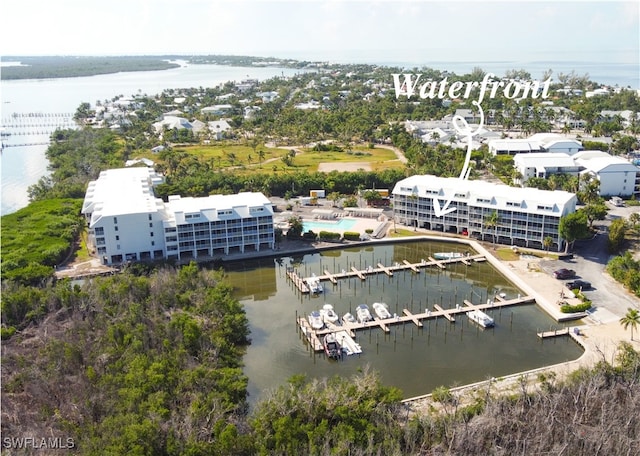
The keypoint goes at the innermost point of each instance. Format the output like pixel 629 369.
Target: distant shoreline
pixel 52 67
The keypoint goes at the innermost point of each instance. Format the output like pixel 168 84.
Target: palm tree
pixel 547 242
pixel 261 156
pixel 631 318
pixel 491 221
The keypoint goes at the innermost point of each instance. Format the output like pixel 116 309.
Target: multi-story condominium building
pixel 128 223
pixel 483 210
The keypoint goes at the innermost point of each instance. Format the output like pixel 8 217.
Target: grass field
pixel 245 158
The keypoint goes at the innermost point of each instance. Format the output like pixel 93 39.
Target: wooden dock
pixel 311 335
pixel 417 319
pixel 554 333
pixel 386 270
pixel 382 269
pixel 299 282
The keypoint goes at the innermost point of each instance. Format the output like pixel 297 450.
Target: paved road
pixel 589 262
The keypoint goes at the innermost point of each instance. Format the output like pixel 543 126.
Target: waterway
pixel 412 359
pixel 24 166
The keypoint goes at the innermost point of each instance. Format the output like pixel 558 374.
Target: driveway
pixel 590 258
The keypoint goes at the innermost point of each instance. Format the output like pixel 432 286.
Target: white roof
pixel 496 195
pixel 598 162
pixel 524 145
pixel 122 191
pixel 208 207
pixel 540 160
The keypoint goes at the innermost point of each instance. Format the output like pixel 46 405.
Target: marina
pixel 302 283
pixel 314 336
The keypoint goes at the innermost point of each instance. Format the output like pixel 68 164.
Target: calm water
pixel 415 360
pixel 24 166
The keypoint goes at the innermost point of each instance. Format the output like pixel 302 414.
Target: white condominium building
pixel 128 223
pixel 483 210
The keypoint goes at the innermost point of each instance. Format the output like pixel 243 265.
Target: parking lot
pixel 590 258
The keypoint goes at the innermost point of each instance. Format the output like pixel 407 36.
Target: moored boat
pixel 481 318
pixel 349 318
pixel 381 310
pixel 448 255
pixel 314 285
pixel 363 314
pixel 315 320
pixel 328 314
pixel 331 346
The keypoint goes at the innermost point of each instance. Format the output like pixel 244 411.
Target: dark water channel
pixel 416 360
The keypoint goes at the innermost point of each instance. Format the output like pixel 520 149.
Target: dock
pixel 314 337
pixel 358 272
pixel 299 282
pixel 330 276
pixel 311 335
pixel 445 313
pixel 554 333
pixel 438 262
pixel 386 270
pixel 415 320
pixel 380 268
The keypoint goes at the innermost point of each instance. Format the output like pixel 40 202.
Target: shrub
pixel 369 230
pixel 567 308
pixel 351 236
pixel 329 236
pixel 309 236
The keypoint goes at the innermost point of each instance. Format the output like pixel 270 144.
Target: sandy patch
pixel 343 166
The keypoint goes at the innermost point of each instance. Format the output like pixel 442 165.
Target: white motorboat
pixel 448 255
pixel 363 314
pixel 314 285
pixel 349 318
pixel 331 346
pixel 315 320
pixel 381 310
pixel 481 318
pixel 328 314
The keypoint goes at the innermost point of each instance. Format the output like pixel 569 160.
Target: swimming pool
pixel 341 225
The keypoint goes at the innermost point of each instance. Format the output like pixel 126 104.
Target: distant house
pixel 540 142
pixel 219 128
pixel 513 146
pixel 553 142
pixel 217 110
pixel 617 176
pixel 267 96
pixel 468 115
pixel 313 104
pixel 171 123
pixel 543 165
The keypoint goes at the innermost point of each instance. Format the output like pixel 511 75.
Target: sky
pixel 347 30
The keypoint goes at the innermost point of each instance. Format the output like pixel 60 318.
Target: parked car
pixel 578 285
pixel 564 273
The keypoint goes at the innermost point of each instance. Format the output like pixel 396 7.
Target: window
pixel 116 228
pixel 150 225
pixel 117 238
pixel 512 204
pixel 483 200
pixel 99 231
pixel 151 234
pixel 115 220
pixel 150 218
